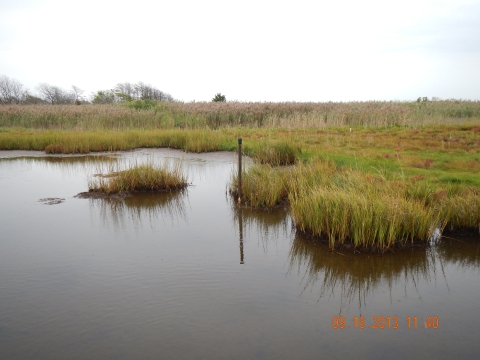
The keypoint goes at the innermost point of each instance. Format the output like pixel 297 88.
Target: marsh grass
pixel 277 153
pixel 347 207
pixel 74 142
pixel 139 177
pixel 263 186
pixel 462 210
pixel 239 114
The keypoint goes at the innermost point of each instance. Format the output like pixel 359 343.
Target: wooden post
pixel 239 170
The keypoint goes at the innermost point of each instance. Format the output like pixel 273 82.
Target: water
pixel 191 276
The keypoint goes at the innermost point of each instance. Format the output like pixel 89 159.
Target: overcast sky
pixel 261 50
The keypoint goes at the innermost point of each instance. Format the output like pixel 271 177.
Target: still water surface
pixel 191 276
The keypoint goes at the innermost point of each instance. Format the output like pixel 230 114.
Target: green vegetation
pixel 214 115
pixel 147 177
pixel 274 153
pixel 347 206
pixel 219 98
pixel 372 174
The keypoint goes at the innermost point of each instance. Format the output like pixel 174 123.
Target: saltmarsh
pixel 371 174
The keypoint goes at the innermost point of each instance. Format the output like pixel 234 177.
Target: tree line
pixel 13 92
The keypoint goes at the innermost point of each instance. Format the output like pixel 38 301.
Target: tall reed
pixel 239 114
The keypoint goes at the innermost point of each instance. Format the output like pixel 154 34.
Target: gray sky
pixel 250 50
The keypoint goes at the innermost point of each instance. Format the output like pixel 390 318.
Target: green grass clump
pixel 366 220
pixel 462 210
pixel 146 177
pixel 263 186
pixel 275 153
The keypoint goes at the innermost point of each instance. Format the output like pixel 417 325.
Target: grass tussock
pixel 363 219
pixel 144 177
pixel 275 153
pixel 263 186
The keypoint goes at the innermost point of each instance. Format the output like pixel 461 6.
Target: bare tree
pixel 11 91
pixel 141 91
pixel 125 88
pixel 77 94
pixel 54 94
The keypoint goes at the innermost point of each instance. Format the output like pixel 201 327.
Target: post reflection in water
pixel 240 233
pixel 267 226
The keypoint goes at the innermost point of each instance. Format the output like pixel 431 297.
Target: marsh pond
pixel 189 275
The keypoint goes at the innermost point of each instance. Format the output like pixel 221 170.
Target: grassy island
pixel 145 177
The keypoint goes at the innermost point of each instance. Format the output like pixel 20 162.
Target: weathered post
pixel 239 192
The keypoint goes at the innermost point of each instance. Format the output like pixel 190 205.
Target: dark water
pixel 191 276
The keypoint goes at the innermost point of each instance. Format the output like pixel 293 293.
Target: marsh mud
pixel 191 275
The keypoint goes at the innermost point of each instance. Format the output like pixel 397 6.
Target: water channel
pixel 191 276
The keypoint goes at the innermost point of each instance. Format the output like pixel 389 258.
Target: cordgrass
pixel 275 153
pixel 349 207
pixel 143 177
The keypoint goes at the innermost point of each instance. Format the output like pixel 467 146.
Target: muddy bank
pixel 92 194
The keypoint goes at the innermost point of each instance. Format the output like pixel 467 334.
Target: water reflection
pixel 66 165
pixel 355 277
pixel 460 251
pixel 122 213
pixel 268 227
pixel 64 162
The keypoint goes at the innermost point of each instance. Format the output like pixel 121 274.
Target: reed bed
pixel 213 115
pixel 140 177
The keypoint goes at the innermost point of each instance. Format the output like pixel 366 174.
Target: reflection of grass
pixel 462 251
pixel 265 222
pixel 355 276
pixel 145 177
pixel 268 226
pixel 142 206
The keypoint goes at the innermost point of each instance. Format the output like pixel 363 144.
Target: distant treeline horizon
pixel 13 91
